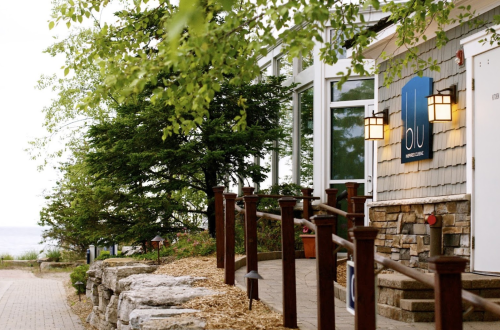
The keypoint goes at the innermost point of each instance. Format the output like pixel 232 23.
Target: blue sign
pixel 349 297
pixel 416 142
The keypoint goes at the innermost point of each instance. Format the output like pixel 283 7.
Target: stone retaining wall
pixel 127 296
pixel 404 234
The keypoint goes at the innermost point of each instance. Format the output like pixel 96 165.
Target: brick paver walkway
pixel 31 303
pixel 271 294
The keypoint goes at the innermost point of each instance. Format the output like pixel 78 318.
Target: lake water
pixel 17 240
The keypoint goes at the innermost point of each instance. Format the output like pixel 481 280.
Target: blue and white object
pixel 350 287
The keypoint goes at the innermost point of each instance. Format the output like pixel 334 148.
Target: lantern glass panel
pixel 446 99
pixel 431 113
pixel 443 112
pixel 376 132
pixel 438 98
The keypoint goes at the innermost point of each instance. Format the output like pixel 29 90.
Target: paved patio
pixel 270 291
pixel 31 303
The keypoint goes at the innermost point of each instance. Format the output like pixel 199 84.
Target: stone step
pixel 427 305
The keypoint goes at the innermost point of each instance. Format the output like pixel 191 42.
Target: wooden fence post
pixel 358 206
pixel 288 259
pixel 325 271
pixel 247 191
pixel 332 201
pixel 307 211
pixel 448 291
pixel 364 277
pixel 251 241
pixel 219 225
pixel 229 240
pixel 352 191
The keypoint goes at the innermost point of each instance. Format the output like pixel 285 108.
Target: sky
pixel 24 34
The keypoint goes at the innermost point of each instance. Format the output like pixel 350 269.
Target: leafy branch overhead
pixel 198 43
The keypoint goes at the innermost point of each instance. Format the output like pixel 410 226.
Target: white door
pixel 486 118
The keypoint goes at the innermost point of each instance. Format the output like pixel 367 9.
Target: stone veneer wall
pixel 404 235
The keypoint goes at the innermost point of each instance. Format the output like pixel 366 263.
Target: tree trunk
pixel 211 212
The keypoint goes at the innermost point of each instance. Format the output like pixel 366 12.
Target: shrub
pixel 106 255
pixel 79 274
pixel 185 245
pixel 6 256
pixel 53 254
pixel 70 256
pixel 28 255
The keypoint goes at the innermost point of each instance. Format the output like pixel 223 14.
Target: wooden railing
pixel 446 280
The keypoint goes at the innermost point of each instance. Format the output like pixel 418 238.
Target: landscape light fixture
pixel 158 239
pixel 439 105
pixel 374 126
pixel 253 276
pixel 79 289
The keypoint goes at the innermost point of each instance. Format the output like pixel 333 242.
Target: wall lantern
pixel 374 126
pixel 439 105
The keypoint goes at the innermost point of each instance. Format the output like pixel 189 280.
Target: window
pixel 336 39
pixel 285 67
pixel 307 61
pixel 347 143
pixel 285 145
pixel 306 99
pixel 353 90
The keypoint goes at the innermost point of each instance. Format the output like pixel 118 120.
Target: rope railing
pixel 446 280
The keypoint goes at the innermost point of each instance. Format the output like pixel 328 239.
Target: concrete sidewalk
pixel 30 303
pixel 270 291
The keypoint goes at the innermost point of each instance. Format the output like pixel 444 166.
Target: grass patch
pixel 28 255
pixel 53 255
pixel 6 256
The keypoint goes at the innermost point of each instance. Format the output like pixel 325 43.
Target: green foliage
pixel 69 256
pixel 185 245
pixel 28 255
pixel 54 254
pixel 226 37
pixel 79 274
pixel 106 255
pixel 6 256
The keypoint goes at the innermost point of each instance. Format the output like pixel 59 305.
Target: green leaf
pixel 51 25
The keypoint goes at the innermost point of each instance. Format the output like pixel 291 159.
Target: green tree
pixel 147 41
pixel 128 151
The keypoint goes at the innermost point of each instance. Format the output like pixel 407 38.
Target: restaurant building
pixel 425 164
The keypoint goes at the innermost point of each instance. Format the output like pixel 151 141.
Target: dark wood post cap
pixel 287 202
pixel 447 264
pixel 248 190
pixel 323 220
pixel 358 199
pixel 364 233
pixel 330 191
pixel 229 196
pixel 251 198
pixel 218 188
pixel 307 191
pixel 352 184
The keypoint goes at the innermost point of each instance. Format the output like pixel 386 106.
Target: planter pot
pixel 309 242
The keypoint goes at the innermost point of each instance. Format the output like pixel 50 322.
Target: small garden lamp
pixel 158 239
pixel 439 105
pixel 374 126
pixel 253 276
pixel 79 286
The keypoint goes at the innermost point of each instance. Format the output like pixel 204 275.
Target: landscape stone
pixel 139 316
pixel 185 323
